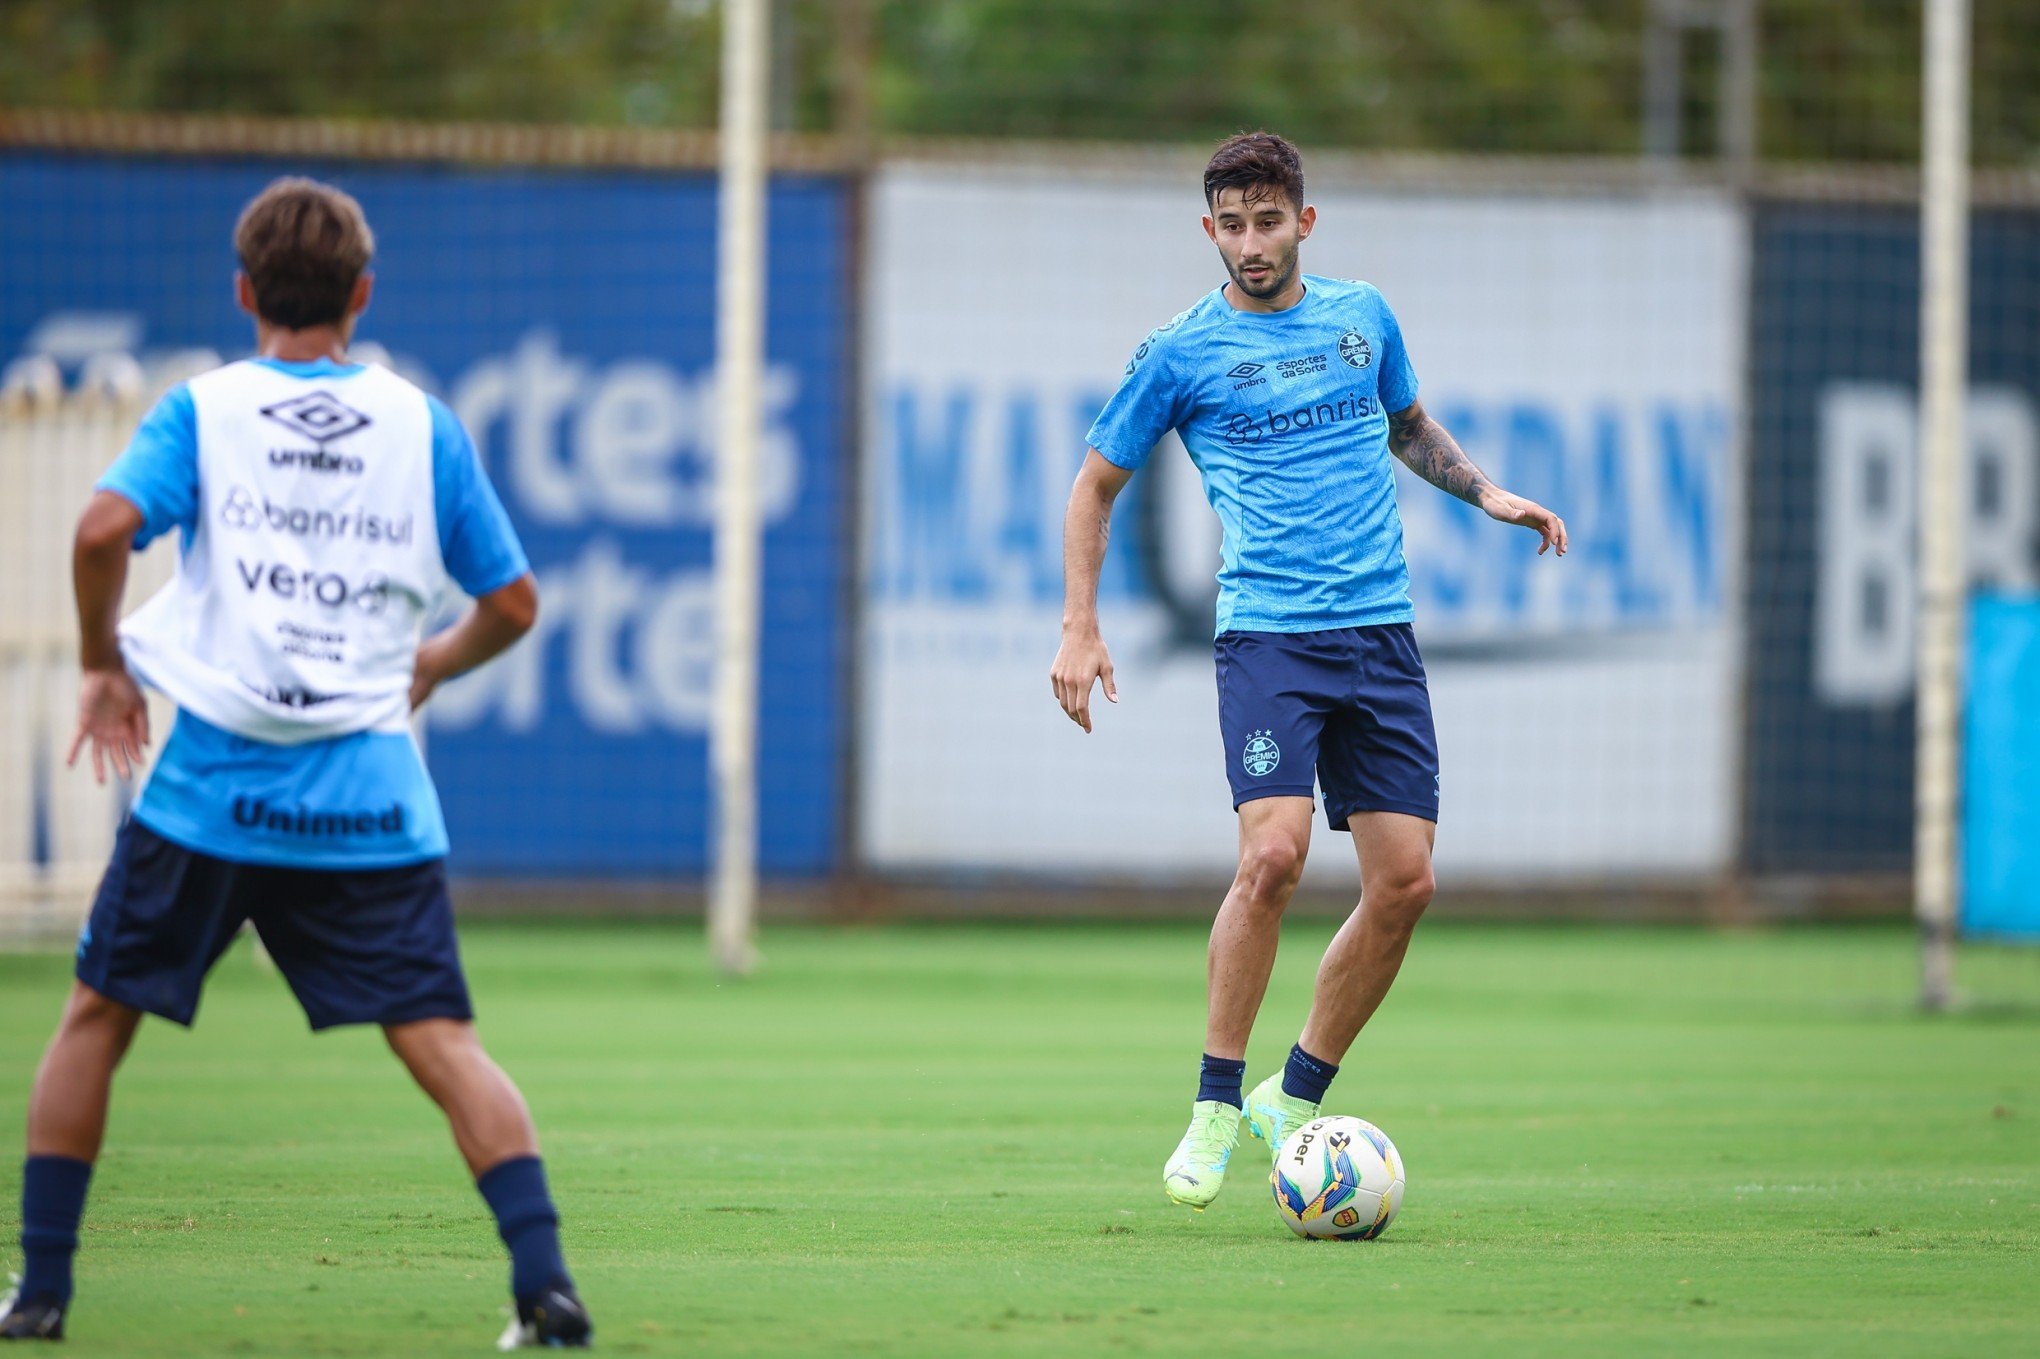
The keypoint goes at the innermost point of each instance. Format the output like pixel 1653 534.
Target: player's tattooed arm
pixel 1428 449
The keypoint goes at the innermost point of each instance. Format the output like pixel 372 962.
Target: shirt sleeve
pixel 158 471
pixel 1149 403
pixel 1398 381
pixel 476 542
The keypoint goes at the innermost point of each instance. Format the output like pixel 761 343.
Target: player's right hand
pixel 114 717
pixel 1080 662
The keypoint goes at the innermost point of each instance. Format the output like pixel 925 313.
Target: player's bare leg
pixel 491 1123
pixel 66 1122
pixel 493 1129
pixel 1274 839
pixel 67 1109
pixel 1367 952
pixel 1358 968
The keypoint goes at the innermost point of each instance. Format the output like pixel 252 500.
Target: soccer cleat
pixel 555 1320
pixel 1196 1172
pixel 40 1318
pixel 1272 1115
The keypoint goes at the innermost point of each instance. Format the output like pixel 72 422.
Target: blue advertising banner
pixel 2001 785
pixel 1831 642
pixel 568 319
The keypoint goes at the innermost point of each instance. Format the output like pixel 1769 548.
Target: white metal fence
pixel 56 825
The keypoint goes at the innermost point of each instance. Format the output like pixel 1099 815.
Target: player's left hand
pixel 427 672
pixel 114 717
pixel 1514 509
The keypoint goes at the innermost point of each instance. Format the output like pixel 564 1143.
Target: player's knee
pixel 432 1047
pixel 1401 897
pixel 1270 869
pixel 90 1013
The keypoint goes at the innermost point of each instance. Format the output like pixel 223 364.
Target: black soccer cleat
pixel 37 1318
pixel 554 1320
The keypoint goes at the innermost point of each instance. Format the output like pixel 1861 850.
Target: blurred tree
pixel 1549 76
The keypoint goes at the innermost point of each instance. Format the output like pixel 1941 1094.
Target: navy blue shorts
pixel 365 946
pixel 1347 705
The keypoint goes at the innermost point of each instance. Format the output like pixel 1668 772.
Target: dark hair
pixel 1260 163
pixel 303 245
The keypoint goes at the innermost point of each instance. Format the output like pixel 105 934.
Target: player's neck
pixel 302 346
pixel 1238 299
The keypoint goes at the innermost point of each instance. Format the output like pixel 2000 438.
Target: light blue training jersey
pixel 1285 415
pixel 257 802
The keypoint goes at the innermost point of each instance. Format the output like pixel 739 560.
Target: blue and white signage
pixel 1586 353
pixel 568 319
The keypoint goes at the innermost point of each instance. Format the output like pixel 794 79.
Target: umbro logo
pixel 318 416
pixel 1245 370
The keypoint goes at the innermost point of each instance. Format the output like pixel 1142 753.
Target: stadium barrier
pixel 56 825
pixel 1628 339
pixel 567 317
pixel 1834 446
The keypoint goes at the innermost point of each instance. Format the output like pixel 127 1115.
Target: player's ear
pixel 244 293
pixel 1305 220
pixel 1209 229
pixel 363 288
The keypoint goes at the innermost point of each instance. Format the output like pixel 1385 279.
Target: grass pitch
pixel 948 1141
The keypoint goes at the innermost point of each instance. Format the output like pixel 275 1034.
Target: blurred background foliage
pixel 1837 80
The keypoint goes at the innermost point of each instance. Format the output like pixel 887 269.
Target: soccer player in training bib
pixel 1291 393
pixel 324 507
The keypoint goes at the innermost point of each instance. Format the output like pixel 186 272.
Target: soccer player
pixel 1290 392
pixel 324 506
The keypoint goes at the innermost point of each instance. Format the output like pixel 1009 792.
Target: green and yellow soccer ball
pixel 1338 1179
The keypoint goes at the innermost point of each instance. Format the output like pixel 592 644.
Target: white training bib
pixel 300 598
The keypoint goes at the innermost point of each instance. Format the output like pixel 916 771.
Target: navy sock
pixel 528 1223
pixel 1305 1077
pixel 52 1201
pixel 1219 1078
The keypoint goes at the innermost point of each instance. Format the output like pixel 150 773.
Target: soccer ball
pixel 1338 1179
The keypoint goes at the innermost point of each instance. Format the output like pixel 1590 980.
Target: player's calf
pixel 492 1126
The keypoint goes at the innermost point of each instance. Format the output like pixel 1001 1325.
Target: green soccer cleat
pixel 1272 1115
pixel 1196 1172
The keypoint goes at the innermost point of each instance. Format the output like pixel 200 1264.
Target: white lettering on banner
pixel 1865 612
pixel 641 449
pixel 571 443
pixel 971 511
pixel 639 650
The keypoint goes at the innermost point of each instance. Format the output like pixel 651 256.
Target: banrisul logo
pixel 1353 349
pixel 242 509
pixel 319 416
pixel 1261 754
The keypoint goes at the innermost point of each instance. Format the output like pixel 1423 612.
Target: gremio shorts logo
pixel 1261 754
pixel 1353 349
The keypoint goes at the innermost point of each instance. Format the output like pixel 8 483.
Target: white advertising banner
pixel 1585 351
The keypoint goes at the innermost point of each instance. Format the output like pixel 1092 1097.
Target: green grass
pixel 949 1141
